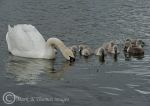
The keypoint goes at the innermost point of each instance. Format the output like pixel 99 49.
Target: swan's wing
pixel 35 36
pixel 24 38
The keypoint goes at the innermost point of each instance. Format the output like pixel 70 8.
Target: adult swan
pixel 26 41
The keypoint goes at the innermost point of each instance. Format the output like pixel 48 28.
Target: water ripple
pixel 109 93
pixel 143 92
pixel 111 88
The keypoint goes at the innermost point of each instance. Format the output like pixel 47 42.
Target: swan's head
pixel 68 54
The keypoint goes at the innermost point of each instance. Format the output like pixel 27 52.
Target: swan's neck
pixel 55 43
pixel 66 52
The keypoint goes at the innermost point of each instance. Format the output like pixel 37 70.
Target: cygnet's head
pixel 133 44
pixel 85 52
pixel 115 48
pixel 112 43
pixel 81 47
pixel 140 43
pixel 128 40
pixel 101 52
pixel 74 49
pixel 127 43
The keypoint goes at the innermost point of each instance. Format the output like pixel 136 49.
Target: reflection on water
pixel 129 56
pixel 101 60
pixel 28 71
pixel 57 74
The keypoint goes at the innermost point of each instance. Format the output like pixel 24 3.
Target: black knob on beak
pixel 72 59
pixel 80 52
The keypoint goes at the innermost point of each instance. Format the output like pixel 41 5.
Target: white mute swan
pixel 26 41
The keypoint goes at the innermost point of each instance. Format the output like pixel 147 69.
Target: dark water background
pixel 87 82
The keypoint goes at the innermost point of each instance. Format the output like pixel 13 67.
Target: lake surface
pixel 87 82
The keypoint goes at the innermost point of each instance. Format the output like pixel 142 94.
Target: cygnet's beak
pixel 116 54
pixel 103 54
pixel 72 59
pixel 80 51
pixel 115 51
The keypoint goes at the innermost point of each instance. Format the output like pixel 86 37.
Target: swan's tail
pixel 9 28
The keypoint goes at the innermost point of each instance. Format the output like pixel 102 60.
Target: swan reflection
pixel 28 71
pixel 58 73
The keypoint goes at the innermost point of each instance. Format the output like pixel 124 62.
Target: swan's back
pixel 23 38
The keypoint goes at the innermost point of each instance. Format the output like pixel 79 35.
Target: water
pixel 124 82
